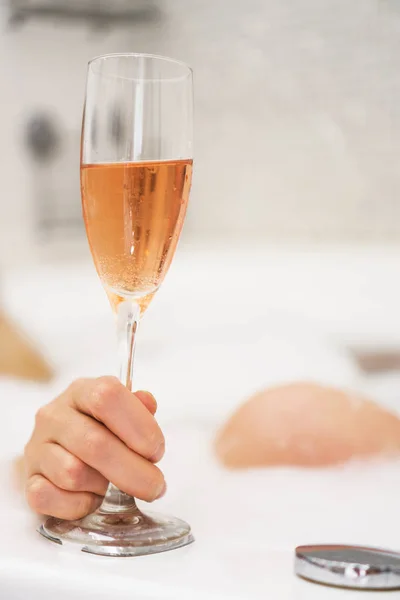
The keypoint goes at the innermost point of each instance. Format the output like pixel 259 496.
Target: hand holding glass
pixel 136 169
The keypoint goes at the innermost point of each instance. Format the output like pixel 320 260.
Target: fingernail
pixel 163 491
pixel 159 453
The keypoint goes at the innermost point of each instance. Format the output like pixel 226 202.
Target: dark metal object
pixel 352 567
pixel 57 214
pixel 42 137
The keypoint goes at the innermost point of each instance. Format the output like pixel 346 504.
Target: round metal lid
pixel 349 566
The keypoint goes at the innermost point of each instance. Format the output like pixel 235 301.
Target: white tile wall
pixel 297 104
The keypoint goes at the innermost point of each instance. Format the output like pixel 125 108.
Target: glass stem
pixel 128 315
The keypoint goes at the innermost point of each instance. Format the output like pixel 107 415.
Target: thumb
pixel 148 400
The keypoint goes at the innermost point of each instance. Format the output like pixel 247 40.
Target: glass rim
pixel 188 69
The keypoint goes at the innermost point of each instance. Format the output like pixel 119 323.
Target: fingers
pixel 97 447
pixel 95 432
pixel 124 414
pixel 46 498
pixel 66 471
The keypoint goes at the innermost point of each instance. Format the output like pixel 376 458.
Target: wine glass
pixel 136 168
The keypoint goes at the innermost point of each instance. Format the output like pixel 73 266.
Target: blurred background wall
pixel 297 114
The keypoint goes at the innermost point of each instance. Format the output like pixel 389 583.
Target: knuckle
pixel 73 474
pixel 74 388
pixel 105 392
pixel 78 383
pixel 50 419
pixel 96 442
pixel 50 415
pixel 36 493
pixel 43 415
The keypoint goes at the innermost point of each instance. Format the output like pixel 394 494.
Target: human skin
pixel 95 432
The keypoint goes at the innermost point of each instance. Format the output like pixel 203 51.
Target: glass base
pixel 129 534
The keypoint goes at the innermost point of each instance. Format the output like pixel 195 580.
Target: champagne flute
pixel 136 168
